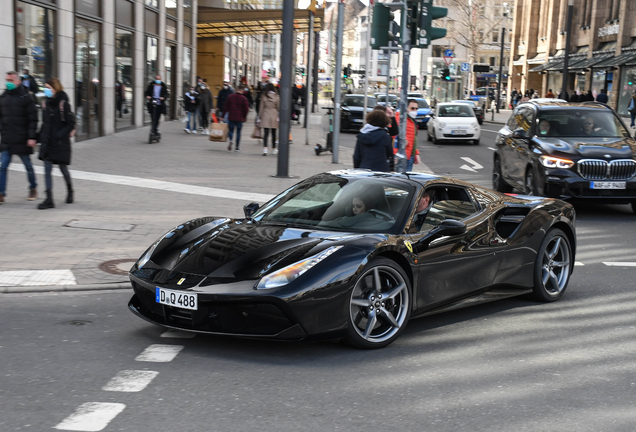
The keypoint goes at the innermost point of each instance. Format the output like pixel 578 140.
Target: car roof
pixel 423 179
pixel 561 104
pixel 450 103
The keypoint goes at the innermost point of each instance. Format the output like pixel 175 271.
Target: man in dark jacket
pixel 236 107
pixel 156 94
pixel 18 125
pixel 29 82
pixel 602 96
pixel 373 147
pixel 222 97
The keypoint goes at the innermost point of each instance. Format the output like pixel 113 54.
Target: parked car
pixel 351 111
pixel 424 112
pixel 393 99
pixel 415 95
pixel 568 150
pixel 454 122
pixel 305 265
pixel 483 92
pixel 479 111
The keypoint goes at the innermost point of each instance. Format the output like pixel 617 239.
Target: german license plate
pixel 608 185
pixel 178 299
pixel 458 132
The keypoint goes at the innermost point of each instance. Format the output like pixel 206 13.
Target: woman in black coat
pixel 373 146
pixel 58 121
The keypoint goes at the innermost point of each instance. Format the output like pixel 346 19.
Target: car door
pixel 522 155
pixel 455 266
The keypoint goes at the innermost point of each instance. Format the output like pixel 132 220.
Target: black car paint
pixel 519 153
pixel 351 117
pixel 224 260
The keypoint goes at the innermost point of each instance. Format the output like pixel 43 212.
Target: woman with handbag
pixel 631 108
pixel 58 126
pixel 268 114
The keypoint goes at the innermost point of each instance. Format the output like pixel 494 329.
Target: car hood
pixel 589 148
pixel 423 111
pixel 236 249
pixel 356 109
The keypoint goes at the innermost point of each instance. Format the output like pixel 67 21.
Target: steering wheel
pixel 381 215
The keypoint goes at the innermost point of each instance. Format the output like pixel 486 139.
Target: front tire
pixel 379 305
pixel 553 267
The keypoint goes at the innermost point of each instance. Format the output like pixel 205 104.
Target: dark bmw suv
pixel 566 150
pixel 351 112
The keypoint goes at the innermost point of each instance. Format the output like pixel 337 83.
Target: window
pixel 187 66
pixel 495 37
pixel 171 7
pixel 123 78
pixel 152 3
pixel 187 11
pixel 35 41
pixel 446 203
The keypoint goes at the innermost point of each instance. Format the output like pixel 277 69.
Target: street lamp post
pixel 567 49
pixel 500 76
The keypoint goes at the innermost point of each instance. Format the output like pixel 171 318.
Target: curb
pixel 66 288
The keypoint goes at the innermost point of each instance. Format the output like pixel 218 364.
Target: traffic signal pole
pixel 337 82
pixel 402 159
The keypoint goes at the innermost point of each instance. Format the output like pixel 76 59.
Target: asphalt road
pixel 512 365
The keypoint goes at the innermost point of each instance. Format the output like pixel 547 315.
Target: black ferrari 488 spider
pixel 354 254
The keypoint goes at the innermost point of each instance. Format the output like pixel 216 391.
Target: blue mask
pixel 157 81
pixel 48 92
pixel 25 76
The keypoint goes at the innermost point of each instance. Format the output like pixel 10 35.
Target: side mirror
pixel 250 209
pixel 447 227
pixel 519 133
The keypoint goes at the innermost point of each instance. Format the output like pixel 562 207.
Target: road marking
pixel 159 353
pixel 178 334
pixel 620 264
pixel 492 148
pixel 130 381
pixel 36 277
pixel 155 184
pixel 475 166
pixel 91 416
pixel 577 263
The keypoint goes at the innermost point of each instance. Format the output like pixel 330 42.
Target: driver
pixel 588 128
pixel 422 208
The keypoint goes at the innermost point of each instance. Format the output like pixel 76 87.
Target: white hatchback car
pixel 454 122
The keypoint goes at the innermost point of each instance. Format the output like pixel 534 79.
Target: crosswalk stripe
pixel 620 264
pixel 91 417
pixel 130 381
pixel 159 353
pixel 36 277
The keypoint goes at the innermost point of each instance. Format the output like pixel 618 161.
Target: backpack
pixel 72 133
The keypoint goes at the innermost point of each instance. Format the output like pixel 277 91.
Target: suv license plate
pixel 608 185
pixel 458 132
pixel 176 298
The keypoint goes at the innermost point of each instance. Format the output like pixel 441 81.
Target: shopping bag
pixel 257 133
pixel 214 119
pixel 219 132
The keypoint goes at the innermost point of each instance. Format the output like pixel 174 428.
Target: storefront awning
pixel 215 22
pixel 589 62
pixel 616 61
pixel 544 66
pixel 539 58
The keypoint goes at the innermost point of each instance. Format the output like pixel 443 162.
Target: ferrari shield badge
pixel 409 246
pixel 182 280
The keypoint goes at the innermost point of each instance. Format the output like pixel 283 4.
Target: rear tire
pixel 553 267
pixel 476 142
pixel 498 183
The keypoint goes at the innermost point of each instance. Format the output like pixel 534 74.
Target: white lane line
pixel 178 334
pixel 578 263
pixel 159 353
pixel 475 166
pixel 620 264
pixel 36 277
pixel 492 148
pixel 155 184
pixel 130 381
pixel 91 416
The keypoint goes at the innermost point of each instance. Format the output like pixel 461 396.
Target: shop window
pixel 171 7
pixel 35 37
pixel 124 102
pixel 187 11
pixel 151 66
pixel 187 67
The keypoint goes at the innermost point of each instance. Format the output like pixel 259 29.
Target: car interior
pixel 462 110
pixel 447 203
pixel 570 125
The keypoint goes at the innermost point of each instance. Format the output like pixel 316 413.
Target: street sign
pixel 453 68
pixel 465 67
pixel 448 56
pixel 36 51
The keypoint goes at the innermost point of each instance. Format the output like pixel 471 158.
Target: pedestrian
pixel 261 89
pixel 18 131
pixel 602 96
pixel 270 101
pixel 373 145
pixel 222 96
pixel 29 82
pixel 236 109
pixel 58 121
pixel 549 94
pixel 191 100
pixel 205 105
pixel 248 95
pixel 412 153
pixel 589 96
pixel 631 108
pixel 156 94
pixel 120 97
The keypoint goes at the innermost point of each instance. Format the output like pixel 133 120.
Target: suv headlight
pixel 553 162
pixel 291 272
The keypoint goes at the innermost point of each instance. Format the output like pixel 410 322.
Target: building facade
pixel 602 51
pixel 105 53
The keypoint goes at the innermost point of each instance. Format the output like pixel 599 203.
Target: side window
pixel 445 203
pixel 526 115
pixel 512 121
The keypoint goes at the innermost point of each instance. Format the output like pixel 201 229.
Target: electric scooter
pixel 329 144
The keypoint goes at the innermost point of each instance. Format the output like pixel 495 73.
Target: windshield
pixel 459 110
pixel 358 101
pixel 580 123
pixel 422 103
pixel 382 98
pixel 335 203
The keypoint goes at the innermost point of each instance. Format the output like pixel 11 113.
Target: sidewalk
pixel 128 193
pixel 501 117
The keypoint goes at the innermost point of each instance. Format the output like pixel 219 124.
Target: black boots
pixel 69 196
pixel 48 202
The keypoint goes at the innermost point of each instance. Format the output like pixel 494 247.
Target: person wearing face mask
pixel 55 138
pixel 205 105
pixel 373 145
pixel 191 101
pixel 545 129
pixel 222 97
pixel 412 153
pixel 156 94
pixel 18 131
pixel 29 82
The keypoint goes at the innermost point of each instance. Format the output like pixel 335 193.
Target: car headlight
pixel 441 125
pixel 291 272
pixel 475 125
pixel 146 257
pixel 553 162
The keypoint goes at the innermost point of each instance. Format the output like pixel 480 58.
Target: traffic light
pixel 381 26
pixel 345 72
pixel 445 74
pixel 427 32
pixel 413 21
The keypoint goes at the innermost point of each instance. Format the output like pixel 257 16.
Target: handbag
pixel 256 134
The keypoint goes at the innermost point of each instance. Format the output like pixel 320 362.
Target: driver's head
pixel 588 124
pixel 544 127
pixel 358 206
pixel 424 202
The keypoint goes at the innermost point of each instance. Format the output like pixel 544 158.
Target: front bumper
pixel 565 184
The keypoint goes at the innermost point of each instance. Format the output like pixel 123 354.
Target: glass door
pixel 171 72
pixel 87 80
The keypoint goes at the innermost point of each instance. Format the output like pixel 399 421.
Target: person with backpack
pixel 58 126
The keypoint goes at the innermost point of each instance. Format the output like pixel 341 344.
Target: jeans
pixel 5 161
pixel 192 116
pixel 633 114
pixel 238 125
pixel 409 164
pixel 205 119
pixel 48 180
